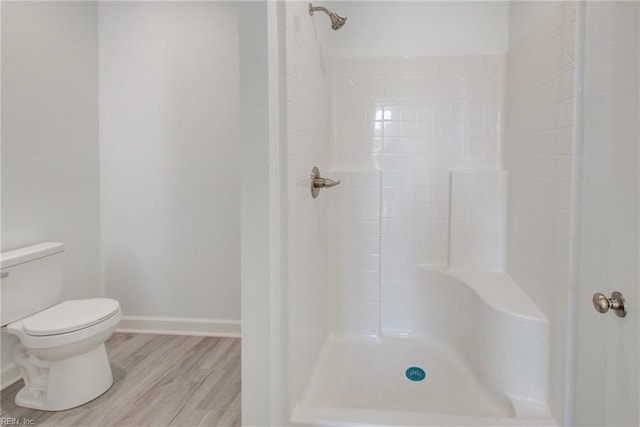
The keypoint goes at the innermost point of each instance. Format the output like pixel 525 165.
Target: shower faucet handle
pixel 324 182
pixel 317 182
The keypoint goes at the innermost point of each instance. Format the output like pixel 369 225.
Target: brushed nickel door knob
pixel 602 304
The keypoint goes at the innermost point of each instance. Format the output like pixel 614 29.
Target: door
pixel 608 240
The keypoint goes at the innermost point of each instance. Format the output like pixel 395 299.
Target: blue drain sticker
pixel 415 374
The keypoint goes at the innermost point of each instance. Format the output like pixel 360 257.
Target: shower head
pixel 337 21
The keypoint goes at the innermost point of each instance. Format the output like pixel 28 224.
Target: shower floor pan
pixel 363 381
pixel 477 336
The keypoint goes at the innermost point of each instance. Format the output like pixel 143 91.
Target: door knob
pixel 602 304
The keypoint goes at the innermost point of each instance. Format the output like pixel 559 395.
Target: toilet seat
pixel 78 329
pixel 70 316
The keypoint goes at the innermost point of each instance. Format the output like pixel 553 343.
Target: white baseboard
pixel 180 326
pixel 10 374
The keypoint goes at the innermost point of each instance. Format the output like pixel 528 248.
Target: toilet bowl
pixel 61 352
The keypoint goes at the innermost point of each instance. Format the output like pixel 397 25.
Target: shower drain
pixel 415 373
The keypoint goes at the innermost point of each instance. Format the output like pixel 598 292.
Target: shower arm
pixel 318 9
pixel 337 21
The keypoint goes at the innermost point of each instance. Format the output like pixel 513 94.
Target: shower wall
pixel 417 92
pixel 354 253
pixel 538 155
pixel 308 144
pixel 417 119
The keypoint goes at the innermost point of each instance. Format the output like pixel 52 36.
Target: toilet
pixel 61 352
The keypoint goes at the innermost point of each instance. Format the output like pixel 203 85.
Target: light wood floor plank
pixel 159 406
pixel 213 359
pixel 231 414
pixel 189 369
pixel 159 380
pixel 7 405
pixel 228 417
pixel 188 417
pixel 225 372
pixel 224 391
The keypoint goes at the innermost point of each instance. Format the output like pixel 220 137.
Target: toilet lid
pixel 70 316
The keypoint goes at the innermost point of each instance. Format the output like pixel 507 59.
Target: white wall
pixel 50 178
pixel 263 211
pixel 525 18
pixel 538 154
pixel 308 144
pixel 418 28
pixel 169 170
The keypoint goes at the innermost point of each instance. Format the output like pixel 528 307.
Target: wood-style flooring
pixel 159 380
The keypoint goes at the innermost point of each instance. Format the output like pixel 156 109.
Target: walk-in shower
pixel 402 309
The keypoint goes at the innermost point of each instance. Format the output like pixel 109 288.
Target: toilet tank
pixel 31 280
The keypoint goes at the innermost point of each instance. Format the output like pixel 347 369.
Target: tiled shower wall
pixel 538 156
pixel 308 136
pixel 477 235
pixel 354 253
pixel 416 119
